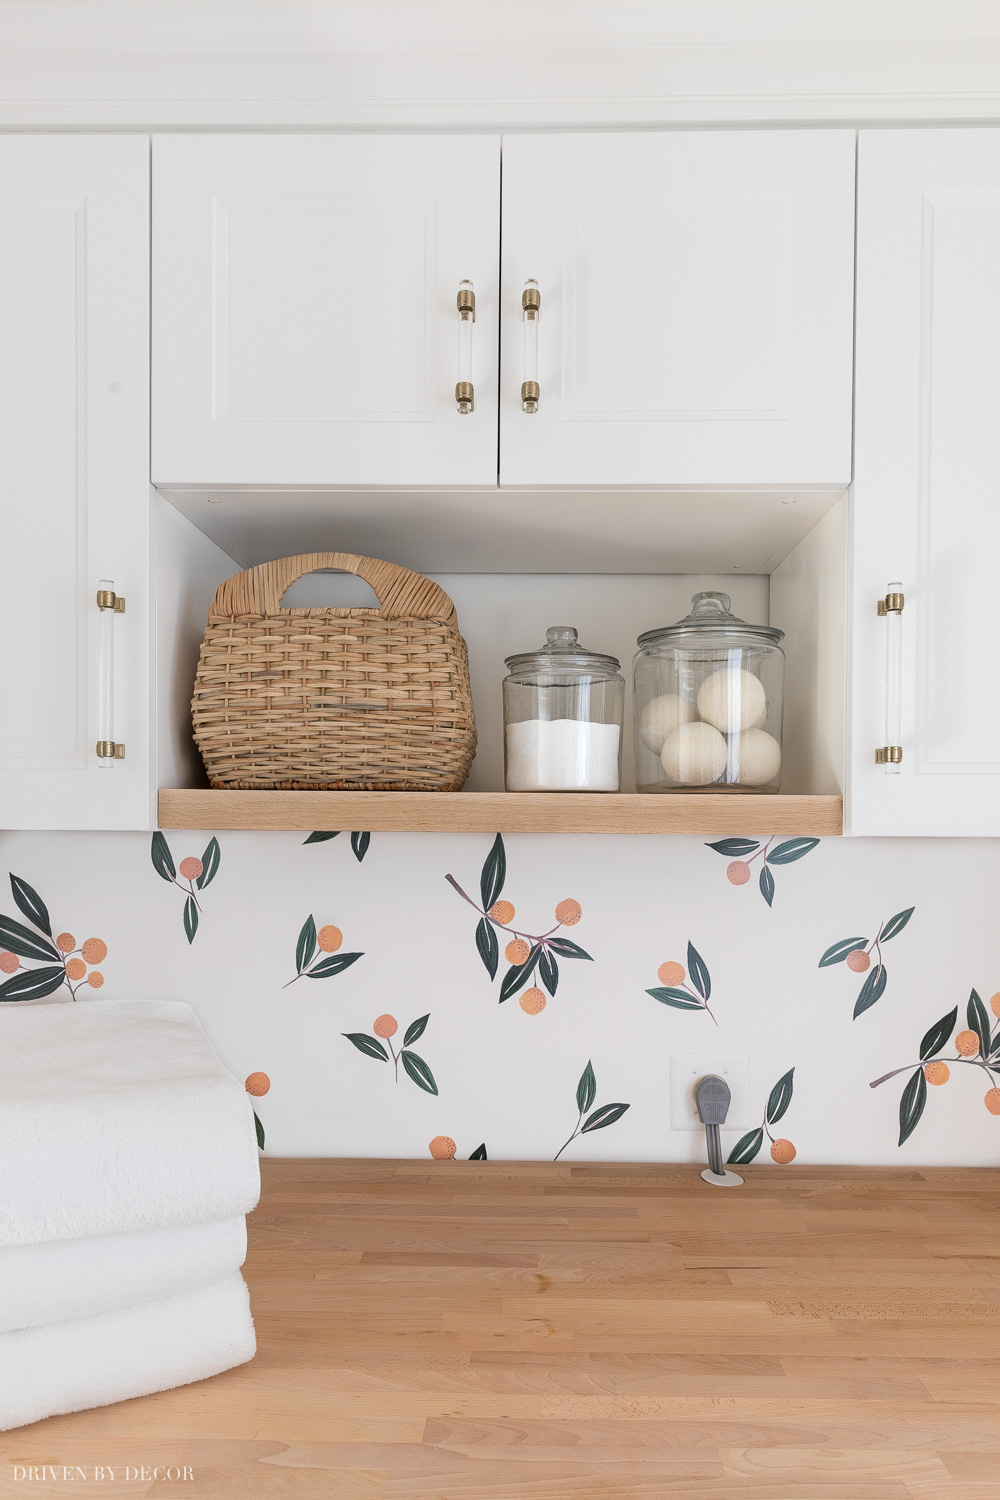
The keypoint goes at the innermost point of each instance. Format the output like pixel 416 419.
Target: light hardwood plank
pixel 478 1331
pixel 506 812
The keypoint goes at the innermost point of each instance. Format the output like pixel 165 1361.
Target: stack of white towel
pixel 128 1159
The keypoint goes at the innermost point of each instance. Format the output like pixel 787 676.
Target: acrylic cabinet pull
pixel 890 608
pixel 531 303
pixel 109 604
pixel 465 395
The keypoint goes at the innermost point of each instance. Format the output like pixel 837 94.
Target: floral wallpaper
pixel 521 997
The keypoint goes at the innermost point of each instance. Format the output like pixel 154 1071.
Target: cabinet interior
pixel 508 530
pixel 506 607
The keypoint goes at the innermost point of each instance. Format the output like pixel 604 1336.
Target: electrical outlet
pixel 685 1070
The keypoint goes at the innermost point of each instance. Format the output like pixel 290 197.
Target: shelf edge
pixel 491 812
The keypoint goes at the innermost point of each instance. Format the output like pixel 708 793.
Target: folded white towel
pixel 117 1115
pixel 62 1279
pixel 89 1362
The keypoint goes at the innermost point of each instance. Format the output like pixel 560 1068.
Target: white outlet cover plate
pixel 685 1070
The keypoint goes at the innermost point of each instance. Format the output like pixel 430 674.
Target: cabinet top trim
pixel 219 64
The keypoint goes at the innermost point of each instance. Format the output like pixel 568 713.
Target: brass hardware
pixel 108 599
pixel 531 302
pixel 108 750
pixel 465 395
pixel 891 610
pixel 466 303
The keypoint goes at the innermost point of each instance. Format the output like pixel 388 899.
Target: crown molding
pixel 328 64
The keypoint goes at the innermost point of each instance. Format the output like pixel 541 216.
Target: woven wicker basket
pixel 338 699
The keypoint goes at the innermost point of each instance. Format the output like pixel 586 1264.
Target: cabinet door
pixel 696 307
pixel 74 476
pixel 927 489
pixel 305 328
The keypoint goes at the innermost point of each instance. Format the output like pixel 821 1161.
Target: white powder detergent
pixel 562 755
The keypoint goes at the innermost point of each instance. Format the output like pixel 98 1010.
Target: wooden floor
pixel 457 1330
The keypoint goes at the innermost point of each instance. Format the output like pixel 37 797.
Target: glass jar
pixel 562 716
pixel 708 703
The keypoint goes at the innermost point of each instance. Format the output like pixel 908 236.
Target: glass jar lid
pixel 562 656
pixel 710 617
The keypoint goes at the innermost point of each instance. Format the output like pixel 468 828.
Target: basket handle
pixel 400 591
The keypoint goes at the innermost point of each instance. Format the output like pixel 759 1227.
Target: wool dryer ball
pixel 732 700
pixel 695 754
pixel 756 757
pixel 661 717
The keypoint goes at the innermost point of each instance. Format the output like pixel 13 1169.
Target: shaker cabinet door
pixel 927 484
pixel 696 312
pixel 74 480
pixel 305 327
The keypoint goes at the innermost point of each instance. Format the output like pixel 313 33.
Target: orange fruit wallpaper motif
pixel 311 944
pixel 359 841
pixel 677 990
pixel 782 1150
pixel 443 1148
pixel 978 1046
pixel 856 953
pixel 53 963
pixel 742 853
pixel 386 1028
pixel 257 1085
pixel 199 874
pixel 598 1119
pixel 525 952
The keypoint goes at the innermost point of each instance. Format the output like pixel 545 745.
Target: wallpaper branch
pixel 404 1044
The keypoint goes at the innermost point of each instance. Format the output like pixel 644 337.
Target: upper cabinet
pixel 696 313
pixel 926 505
pixel 694 325
pixel 74 475
pixel 305 320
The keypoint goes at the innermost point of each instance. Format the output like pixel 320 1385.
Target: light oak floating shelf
pixel 504 812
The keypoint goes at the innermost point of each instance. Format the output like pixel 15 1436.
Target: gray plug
pixel 712 1098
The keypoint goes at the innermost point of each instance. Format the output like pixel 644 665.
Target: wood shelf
pixel 504 812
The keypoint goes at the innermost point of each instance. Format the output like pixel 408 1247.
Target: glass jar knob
pixel 710 604
pixel 561 635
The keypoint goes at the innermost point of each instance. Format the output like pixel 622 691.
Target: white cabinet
pixel 74 477
pixel 696 307
pixel 926 508
pixel 695 328
pixel 305 328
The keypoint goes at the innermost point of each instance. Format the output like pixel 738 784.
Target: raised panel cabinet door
pixel 305 326
pixel 74 478
pixel 927 483
pixel 696 316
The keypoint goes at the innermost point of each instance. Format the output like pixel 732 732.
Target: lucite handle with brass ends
pixel 531 304
pixel 890 608
pixel 465 395
pixel 109 604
